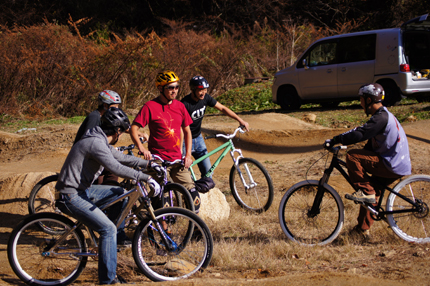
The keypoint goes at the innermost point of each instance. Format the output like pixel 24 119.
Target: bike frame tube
pixel 227 146
pixel 133 195
pixel 337 164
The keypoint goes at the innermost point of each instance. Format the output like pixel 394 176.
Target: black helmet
pixel 198 82
pixel 109 97
pixel 374 91
pixel 115 118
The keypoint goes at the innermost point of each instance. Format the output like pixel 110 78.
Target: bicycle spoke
pixel 251 185
pixel 411 226
pixel 32 256
pixel 298 223
pixel 185 253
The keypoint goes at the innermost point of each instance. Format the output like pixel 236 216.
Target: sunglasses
pixel 172 87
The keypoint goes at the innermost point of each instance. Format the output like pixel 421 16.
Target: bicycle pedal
pixel 364 204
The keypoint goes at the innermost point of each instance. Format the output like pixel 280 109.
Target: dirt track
pixel 26 158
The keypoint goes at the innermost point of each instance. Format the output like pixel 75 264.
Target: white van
pixel 332 69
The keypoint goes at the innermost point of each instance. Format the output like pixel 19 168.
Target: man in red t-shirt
pixel 165 117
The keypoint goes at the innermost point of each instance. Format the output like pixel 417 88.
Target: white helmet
pixel 109 97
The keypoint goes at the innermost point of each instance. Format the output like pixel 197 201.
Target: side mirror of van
pixel 305 64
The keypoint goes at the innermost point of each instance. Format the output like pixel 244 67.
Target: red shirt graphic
pixel 165 122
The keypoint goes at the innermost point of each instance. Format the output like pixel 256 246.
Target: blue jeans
pixel 198 150
pixel 82 207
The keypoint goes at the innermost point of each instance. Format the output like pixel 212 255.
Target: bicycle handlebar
pixel 130 147
pixel 166 163
pixel 125 148
pixel 228 136
pixel 336 149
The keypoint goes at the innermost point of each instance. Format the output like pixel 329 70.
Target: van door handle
pixel 343 69
pixel 329 71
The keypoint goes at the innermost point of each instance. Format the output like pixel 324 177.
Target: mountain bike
pixel 164 247
pixel 311 212
pixel 250 183
pixel 42 196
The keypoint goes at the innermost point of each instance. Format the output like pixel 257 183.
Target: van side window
pixel 357 49
pixel 323 53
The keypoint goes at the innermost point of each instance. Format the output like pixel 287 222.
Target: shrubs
pixel 47 70
pixel 252 97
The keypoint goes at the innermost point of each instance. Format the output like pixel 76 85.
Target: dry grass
pixel 253 245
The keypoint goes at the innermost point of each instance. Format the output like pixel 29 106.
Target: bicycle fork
pixel 236 160
pixel 168 242
pixel 316 206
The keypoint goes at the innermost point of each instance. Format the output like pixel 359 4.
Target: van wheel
pixel 288 98
pixel 392 93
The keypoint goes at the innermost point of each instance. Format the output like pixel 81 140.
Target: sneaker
pixel 118 280
pixel 127 242
pixel 359 196
pixel 360 233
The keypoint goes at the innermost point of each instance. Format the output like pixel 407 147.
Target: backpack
pixel 204 184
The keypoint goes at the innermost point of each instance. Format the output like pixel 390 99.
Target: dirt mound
pixel 14 146
pixel 14 193
pixel 264 121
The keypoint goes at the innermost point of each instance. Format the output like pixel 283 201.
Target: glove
pixel 329 143
pixel 154 186
pixel 157 168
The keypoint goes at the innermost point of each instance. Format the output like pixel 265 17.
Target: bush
pixel 50 70
pixel 252 97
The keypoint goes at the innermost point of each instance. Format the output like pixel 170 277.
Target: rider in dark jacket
pixel 385 155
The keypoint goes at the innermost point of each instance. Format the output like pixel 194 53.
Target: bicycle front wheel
pixel 176 195
pixel 300 225
pixel 34 258
pixel 414 225
pixel 188 250
pixel 251 185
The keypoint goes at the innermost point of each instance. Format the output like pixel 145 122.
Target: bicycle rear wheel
pixel 191 245
pixel 296 221
pixel 258 195
pixel 42 199
pixel 411 226
pixel 42 196
pixel 32 257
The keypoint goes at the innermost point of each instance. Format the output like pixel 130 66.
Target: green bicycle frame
pixel 228 147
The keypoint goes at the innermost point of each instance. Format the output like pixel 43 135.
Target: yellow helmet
pixel 165 77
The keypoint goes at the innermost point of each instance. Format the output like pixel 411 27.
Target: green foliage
pixel 12 124
pixel 251 97
pixel 350 114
